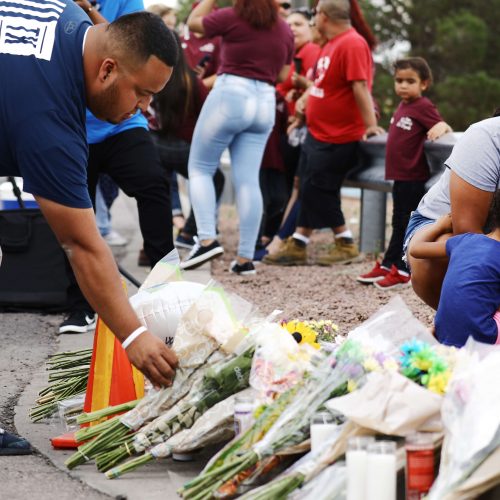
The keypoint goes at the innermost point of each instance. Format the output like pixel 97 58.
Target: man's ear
pixel 108 66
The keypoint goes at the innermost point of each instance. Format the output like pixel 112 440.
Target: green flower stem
pixel 129 466
pixel 85 418
pixel 93 431
pixel 104 441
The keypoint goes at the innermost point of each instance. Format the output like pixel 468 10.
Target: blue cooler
pixel 8 200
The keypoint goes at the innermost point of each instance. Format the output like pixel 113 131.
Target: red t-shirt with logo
pixel 404 155
pixel 332 113
pixel 308 54
pixel 249 52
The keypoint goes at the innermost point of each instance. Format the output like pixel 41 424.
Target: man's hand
pixel 373 130
pixel 300 82
pixel 153 358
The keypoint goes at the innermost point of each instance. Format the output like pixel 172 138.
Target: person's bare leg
pixel 427 275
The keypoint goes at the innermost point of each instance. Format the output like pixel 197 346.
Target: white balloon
pixel 159 308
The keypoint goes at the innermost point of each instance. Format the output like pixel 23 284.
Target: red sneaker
pixel 376 274
pixel 393 280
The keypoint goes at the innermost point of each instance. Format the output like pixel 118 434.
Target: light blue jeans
pixel 238 114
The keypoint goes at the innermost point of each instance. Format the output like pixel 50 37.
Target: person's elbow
pixel 195 24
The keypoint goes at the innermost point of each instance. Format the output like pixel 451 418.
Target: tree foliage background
pixel 458 39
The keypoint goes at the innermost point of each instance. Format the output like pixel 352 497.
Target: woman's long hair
pixel 359 23
pixel 261 14
pixel 179 98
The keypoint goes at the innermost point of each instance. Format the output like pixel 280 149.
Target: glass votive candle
pixel 323 427
pixel 356 458
pixel 243 413
pixel 381 472
pixel 420 464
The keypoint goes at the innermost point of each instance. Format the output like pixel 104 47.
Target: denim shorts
pixel 416 222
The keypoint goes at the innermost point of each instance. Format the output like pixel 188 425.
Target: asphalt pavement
pixel 26 340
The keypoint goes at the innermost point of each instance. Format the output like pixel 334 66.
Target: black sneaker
pixel 200 254
pixel 183 242
pixel 245 269
pixel 78 322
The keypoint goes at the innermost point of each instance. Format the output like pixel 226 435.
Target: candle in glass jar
pixel 381 471
pixel 356 459
pixel 323 426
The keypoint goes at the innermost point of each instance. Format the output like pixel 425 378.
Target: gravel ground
pixel 311 292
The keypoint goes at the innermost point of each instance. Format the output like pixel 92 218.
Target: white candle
pixel 356 472
pixel 381 476
pixel 320 433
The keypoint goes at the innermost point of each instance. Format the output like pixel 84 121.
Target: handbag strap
pixel 17 191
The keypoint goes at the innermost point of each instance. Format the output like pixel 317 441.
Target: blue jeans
pixel 238 114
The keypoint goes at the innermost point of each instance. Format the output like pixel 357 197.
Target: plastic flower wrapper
pixel 164 297
pixel 214 321
pixel 219 382
pixel 328 379
pixel 389 327
pixel 391 404
pixel 330 484
pixel 279 361
pixel 471 416
pixel 214 426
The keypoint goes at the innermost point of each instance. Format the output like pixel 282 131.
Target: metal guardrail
pixel 369 176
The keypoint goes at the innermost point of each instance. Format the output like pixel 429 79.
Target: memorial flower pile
pixel 207 332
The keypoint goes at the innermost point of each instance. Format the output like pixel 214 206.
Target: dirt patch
pixel 310 292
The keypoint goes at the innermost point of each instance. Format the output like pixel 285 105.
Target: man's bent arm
pixel 99 280
pixel 469 205
pixel 364 101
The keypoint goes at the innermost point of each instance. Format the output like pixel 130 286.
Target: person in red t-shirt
pixel 339 113
pixel 415 120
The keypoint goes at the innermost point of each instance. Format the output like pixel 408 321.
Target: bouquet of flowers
pixel 214 426
pixel 471 415
pixel 69 373
pixel 428 366
pixel 209 326
pixel 218 383
pixel 328 379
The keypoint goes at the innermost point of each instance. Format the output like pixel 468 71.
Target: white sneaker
pixel 115 239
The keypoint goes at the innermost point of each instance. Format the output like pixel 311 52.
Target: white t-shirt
pixel 475 159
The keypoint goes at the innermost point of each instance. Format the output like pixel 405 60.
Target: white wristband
pixel 133 336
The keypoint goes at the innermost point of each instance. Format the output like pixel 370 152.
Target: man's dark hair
pixel 141 35
pixel 417 64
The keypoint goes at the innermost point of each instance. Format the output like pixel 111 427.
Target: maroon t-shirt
pixel 203 49
pixel 247 51
pixel 404 157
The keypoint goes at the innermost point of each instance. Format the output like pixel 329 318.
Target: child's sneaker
pixel 246 269
pixel 395 279
pixel 376 274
